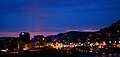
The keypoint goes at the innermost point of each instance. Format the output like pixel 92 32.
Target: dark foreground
pixel 57 55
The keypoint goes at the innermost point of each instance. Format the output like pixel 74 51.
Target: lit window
pixel 23 33
pixel 109 41
pixel 115 41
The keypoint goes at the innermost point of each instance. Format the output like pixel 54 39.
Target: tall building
pixel 38 37
pixel 49 39
pixel 25 37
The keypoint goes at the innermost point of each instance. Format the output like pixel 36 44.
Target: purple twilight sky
pixel 54 16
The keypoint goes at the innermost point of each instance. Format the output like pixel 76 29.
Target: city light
pixel 104 43
pixel 109 41
pixel 91 44
pixel 96 43
pixel 3 50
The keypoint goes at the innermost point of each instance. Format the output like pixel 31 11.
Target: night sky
pixel 54 16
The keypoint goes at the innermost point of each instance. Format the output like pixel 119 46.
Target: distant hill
pixel 114 28
pixel 111 32
pixel 73 36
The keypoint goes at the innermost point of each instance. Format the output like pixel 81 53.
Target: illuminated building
pixel 25 37
pixel 39 38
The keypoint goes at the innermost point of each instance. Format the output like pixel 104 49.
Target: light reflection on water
pixel 108 55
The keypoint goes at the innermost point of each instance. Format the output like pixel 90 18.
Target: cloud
pixel 32 34
pixel 71 30
pixel 89 30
